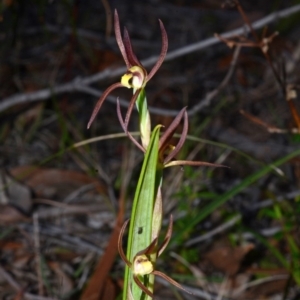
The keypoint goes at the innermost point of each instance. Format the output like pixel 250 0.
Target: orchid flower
pixel 166 151
pixel 142 264
pixel 136 76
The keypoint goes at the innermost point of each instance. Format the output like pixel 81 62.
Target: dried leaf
pixel 14 193
pixel 50 183
pixel 228 259
pixel 109 292
pixel 9 214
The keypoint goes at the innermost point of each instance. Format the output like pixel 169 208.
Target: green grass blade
pixel 234 191
pixel 272 249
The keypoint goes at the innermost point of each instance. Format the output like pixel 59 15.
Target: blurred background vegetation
pixel 236 231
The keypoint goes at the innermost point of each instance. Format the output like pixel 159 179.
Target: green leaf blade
pixel 140 230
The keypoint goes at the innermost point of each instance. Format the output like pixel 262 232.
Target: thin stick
pixel 10 279
pixel 209 96
pixel 37 253
pixel 12 282
pixel 76 83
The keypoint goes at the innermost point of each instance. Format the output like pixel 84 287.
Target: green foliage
pixel 221 199
pixel 284 213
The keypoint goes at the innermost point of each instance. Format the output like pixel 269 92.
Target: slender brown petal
pixel 181 140
pixel 167 135
pixel 163 52
pixel 192 163
pixel 133 60
pixel 167 238
pixel 123 126
pixel 130 108
pixel 120 248
pixel 149 250
pixel 120 40
pixel 119 114
pixel 141 286
pixel 172 281
pixel 101 100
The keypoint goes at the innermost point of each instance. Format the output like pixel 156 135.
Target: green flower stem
pixel 145 122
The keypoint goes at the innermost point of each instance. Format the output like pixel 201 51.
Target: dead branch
pixel 78 83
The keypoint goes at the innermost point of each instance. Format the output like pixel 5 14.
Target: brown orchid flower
pixel 142 265
pixel 136 76
pixel 166 151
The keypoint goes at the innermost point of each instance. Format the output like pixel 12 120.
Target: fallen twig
pixel 37 253
pixel 78 83
pixel 18 288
